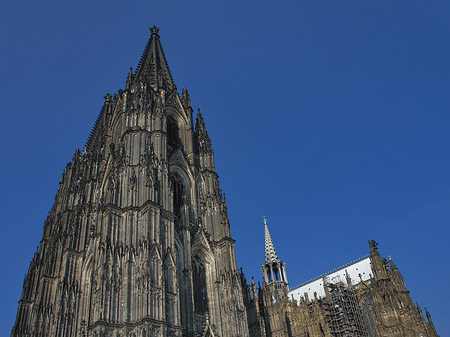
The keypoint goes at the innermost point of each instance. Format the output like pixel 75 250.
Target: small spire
pixel 185 98
pixel 203 139
pixel 129 78
pixel 391 263
pixel 348 278
pixel 419 310
pixel 200 117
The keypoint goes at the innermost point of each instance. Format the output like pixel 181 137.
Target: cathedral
pixel 367 297
pixel 138 242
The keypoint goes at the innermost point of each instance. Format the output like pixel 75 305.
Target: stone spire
pixel 378 265
pixel 203 141
pixel 430 322
pixel 153 67
pixel 273 269
pixel 271 254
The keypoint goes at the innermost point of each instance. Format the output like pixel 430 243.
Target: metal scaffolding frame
pixel 342 312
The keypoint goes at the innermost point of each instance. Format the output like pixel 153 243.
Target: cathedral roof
pixel 271 254
pixel 360 269
pixel 153 67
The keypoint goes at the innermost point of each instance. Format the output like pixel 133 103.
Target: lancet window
pixel 173 134
pixel 199 281
pixel 178 192
pixel 275 272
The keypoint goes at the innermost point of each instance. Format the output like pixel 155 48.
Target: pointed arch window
pixel 200 287
pixel 177 192
pixel 173 132
pixel 275 272
pixel 367 316
pixel 268 273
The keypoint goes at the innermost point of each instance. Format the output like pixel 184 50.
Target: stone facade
pixel 138 241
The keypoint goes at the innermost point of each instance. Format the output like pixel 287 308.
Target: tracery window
pixel 173 134
pixel 178 191
pixel 367 316
pixel 200 287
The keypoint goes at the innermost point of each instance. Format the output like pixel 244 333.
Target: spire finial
pixel 265 220
pixel 154 30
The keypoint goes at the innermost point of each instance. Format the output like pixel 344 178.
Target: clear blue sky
pixel 331 118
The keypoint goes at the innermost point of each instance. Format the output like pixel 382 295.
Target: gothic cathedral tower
pixel 138 241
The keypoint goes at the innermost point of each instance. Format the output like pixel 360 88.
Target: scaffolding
pixel 342 312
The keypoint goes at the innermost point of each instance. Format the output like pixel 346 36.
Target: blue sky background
pixel 331 118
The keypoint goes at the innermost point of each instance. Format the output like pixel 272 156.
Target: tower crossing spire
pixel 271 254
pixel 273 269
